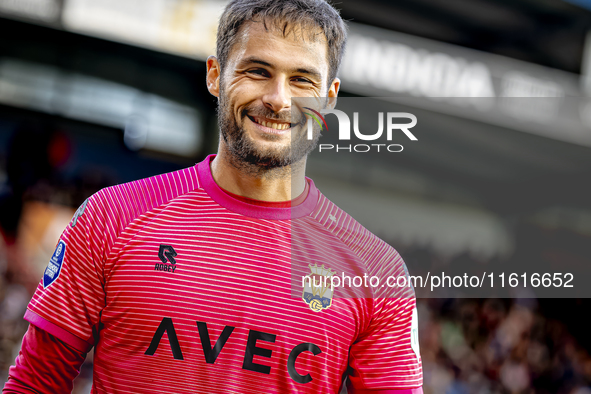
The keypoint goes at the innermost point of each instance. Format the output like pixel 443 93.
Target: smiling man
pixel 273 58
pixel 184 282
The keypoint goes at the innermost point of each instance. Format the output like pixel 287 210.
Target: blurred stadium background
pixel 98 92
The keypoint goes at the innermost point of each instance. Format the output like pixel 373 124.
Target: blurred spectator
pixel 35 206
pixel 498 346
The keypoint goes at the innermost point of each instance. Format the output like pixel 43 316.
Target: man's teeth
pixel 278 126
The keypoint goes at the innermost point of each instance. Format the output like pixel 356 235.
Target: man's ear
pixel 333 92
pixel 213 76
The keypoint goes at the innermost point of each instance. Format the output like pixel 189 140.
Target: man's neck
pixel 283 186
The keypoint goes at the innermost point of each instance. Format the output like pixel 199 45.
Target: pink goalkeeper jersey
pixel 182 288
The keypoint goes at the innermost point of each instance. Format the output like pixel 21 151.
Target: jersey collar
pixel 246 209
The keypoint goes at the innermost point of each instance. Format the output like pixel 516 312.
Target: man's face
pixel 263 72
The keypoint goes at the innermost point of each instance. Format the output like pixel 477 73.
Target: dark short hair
pixel 307 14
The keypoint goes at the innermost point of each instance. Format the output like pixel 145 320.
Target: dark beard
pixel 244 153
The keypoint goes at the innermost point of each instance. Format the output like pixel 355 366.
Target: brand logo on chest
pixel 166 254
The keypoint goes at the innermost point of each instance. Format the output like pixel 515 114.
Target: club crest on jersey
pixel 318 288
pixel 55 265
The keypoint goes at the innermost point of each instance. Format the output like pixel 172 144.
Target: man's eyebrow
pixel 252 59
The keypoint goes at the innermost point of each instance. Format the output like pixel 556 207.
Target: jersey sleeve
pixel 70 296
pixel 385 358
pixel 44 364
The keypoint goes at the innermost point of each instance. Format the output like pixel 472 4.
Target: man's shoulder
pixel 131 199
pixel 368 246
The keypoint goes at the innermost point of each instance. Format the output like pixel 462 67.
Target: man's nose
pixel 278 95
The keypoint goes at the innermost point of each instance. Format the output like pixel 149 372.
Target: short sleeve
pixel 386 355
pixel 70 296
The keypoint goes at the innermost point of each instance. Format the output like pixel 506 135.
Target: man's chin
pixel 270 160
pixel 263 150
pixel 253 154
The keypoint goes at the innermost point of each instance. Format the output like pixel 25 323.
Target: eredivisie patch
pixel 55 265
